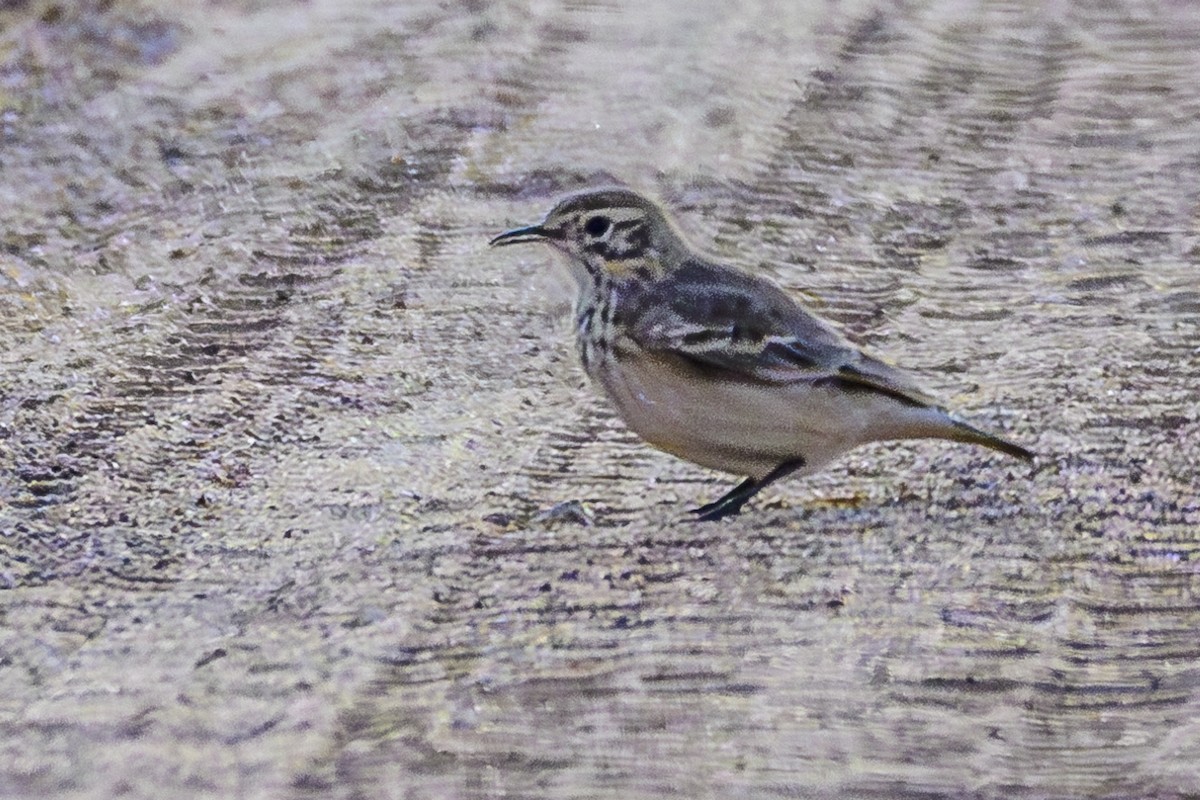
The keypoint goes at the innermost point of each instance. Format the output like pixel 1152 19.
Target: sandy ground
pixel 303 494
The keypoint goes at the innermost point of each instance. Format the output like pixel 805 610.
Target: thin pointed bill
pixel 531 233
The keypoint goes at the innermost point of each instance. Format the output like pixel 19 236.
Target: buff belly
pixel 748 427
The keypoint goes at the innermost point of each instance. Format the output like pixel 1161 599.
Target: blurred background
pixel 303 494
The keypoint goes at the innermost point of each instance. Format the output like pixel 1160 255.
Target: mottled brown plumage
pixel 719 366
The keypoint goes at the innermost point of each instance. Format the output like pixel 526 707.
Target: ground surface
pixel 279 435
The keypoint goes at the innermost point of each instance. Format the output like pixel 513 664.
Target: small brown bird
pixel 719 366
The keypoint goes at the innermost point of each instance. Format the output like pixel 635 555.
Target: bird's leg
pixel 732 501
pixel 744 490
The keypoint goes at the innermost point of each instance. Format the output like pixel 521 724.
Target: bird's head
pixel 613 233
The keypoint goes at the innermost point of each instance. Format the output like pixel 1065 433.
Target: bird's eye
pixel 596 226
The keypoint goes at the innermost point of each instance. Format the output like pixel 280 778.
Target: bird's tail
pixel 964 432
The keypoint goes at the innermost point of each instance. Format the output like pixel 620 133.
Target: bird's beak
pixel 531 233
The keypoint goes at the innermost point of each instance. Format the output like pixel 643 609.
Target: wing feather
pixel 717 319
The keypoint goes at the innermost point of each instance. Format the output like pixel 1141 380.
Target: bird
pixel 720 366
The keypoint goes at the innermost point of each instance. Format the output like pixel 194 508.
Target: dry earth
pixel 303 494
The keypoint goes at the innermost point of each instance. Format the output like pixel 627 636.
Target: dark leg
pixel 743 487
pixel 732 501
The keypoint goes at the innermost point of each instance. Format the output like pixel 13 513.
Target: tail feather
pixel 964 432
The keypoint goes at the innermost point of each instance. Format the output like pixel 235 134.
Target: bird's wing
pixel 718 320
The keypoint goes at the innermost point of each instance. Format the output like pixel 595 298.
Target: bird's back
pixel 750 326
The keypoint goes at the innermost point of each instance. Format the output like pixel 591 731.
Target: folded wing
pixel 717 320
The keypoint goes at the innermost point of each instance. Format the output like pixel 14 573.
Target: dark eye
pixel 596 226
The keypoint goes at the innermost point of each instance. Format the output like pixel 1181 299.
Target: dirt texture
pixel 303 494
